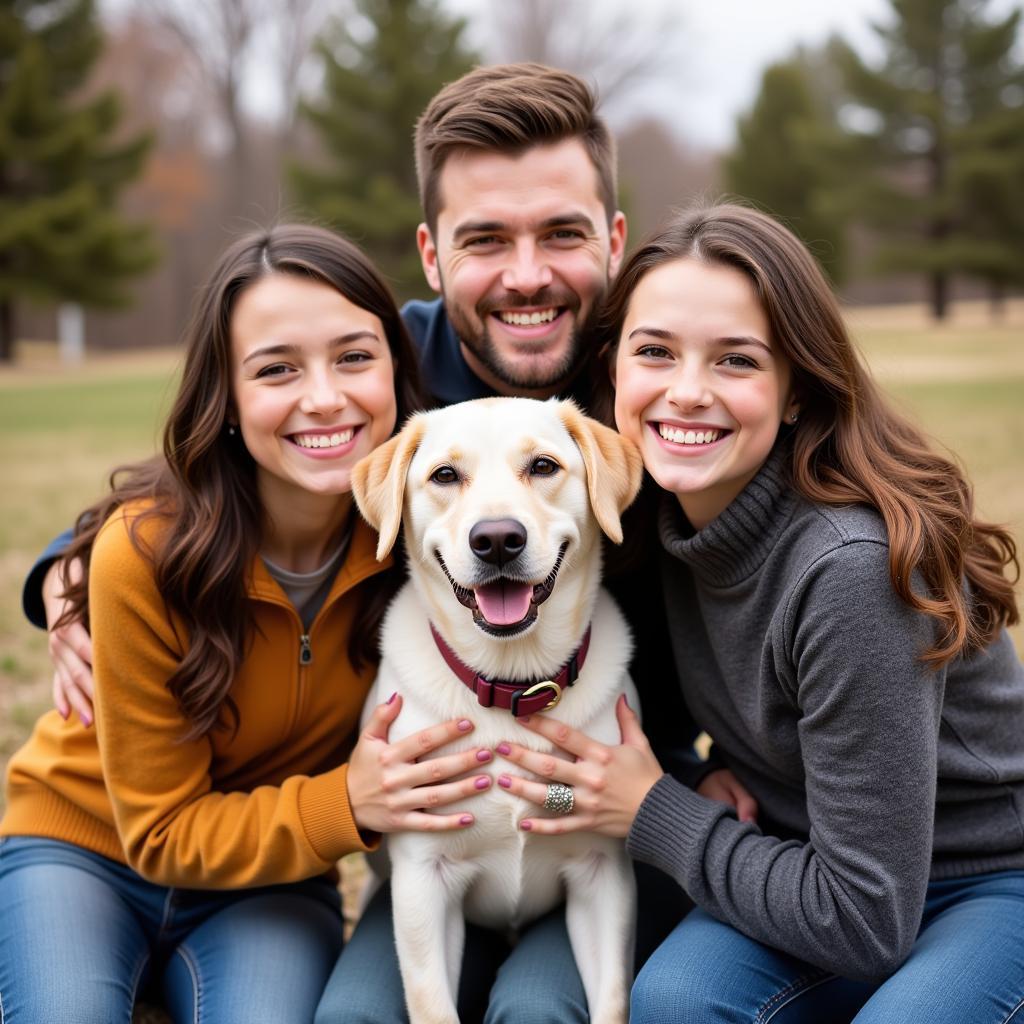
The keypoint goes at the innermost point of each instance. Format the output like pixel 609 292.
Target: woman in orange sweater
pixel 233 599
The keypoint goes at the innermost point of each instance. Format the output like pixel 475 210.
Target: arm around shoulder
pixel 32 591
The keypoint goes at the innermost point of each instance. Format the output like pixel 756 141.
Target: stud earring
pixel 231 429
pixel 793 417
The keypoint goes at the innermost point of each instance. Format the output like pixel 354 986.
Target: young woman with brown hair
pixel 837 612
pixel 234 598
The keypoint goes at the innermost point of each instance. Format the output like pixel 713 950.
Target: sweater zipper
pixel 305 658
pixel 305 639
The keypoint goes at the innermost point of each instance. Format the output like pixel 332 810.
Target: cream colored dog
pixel 502 502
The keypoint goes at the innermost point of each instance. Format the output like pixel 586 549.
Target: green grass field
pixel 61 431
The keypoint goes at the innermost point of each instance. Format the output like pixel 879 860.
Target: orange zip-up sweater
pixel 264 805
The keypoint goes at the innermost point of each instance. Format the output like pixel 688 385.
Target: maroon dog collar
pixel 519 698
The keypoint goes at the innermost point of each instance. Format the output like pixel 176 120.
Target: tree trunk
pixel 940 228
pixel 6 331
pixel 997 300
pixel 940 294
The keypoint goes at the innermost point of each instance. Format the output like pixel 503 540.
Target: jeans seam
pixel 135 981
pixel 1013 1013
pixel 165 916
pixel 788 994
pixel 193 970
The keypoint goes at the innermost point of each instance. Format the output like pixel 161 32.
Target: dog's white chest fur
pixel 506 875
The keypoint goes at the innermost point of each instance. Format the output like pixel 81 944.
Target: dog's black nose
pixel 497 541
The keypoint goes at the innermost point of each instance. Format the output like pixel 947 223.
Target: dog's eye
pixel 543 467
pixel 444 475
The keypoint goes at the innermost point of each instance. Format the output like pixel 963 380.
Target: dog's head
pixel 501 499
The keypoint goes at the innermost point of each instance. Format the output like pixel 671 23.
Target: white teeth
pixel 323 440
pixel 679 436
pixel 529 319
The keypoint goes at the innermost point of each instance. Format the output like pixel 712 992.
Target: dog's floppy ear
pixel 378 483
pixel 614 467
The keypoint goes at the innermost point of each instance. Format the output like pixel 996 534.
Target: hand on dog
pixel 70 647
pixel 609 783
pixel 389 790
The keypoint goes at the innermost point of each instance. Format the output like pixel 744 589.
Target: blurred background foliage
pixel 63 165
pixel 137 137
pixel 383 75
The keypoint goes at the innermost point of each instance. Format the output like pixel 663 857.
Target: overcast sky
pixel 724 46
pixel 732 41
pixel 716 59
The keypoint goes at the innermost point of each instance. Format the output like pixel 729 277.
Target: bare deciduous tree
pixel 234 46
pixel 218 36
pixel 622 48
pixel 297 24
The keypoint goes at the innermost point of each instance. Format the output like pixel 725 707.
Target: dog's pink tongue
pixel 504 603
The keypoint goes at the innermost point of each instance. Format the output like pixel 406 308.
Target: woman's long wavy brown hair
pixel 850 445
pixel 204 485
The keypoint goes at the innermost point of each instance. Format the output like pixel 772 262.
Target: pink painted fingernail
pixel 505 781
pixel 625 700
pixel 465 725
pixel 392 697
pixel 483 755
pixel 483 782
pixel 523 718
pixel 504 749
pixel 86 720
pixel 466 819
pixel 526 825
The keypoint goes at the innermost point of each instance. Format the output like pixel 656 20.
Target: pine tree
pixel 989 170
pixel 61 166
pixel 381 70
pixel 785 160
pixel 947 89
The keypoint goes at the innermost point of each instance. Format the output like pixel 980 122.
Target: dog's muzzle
pixel 503 606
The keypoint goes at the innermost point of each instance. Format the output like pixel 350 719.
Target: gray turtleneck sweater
pixel 872 772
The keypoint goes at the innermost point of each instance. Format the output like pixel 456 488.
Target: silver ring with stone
pixel 559 798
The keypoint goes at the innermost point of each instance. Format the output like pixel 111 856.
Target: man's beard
pixel 477 338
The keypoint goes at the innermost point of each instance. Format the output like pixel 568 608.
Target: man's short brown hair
pixel 510 108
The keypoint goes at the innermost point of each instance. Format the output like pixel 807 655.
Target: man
pixel 517 180
pixel 521 236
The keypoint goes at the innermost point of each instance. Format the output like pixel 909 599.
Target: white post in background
pixel 71 333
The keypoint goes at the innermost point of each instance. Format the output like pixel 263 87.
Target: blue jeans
pixel 81 934
pixel 966 967
pixel 534 983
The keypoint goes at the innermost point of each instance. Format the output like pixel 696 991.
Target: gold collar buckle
pixel 546 684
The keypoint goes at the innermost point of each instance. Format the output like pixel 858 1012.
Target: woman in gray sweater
pixel 838 618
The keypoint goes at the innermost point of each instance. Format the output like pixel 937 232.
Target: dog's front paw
pixel 614 1010
pixel 424 1009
